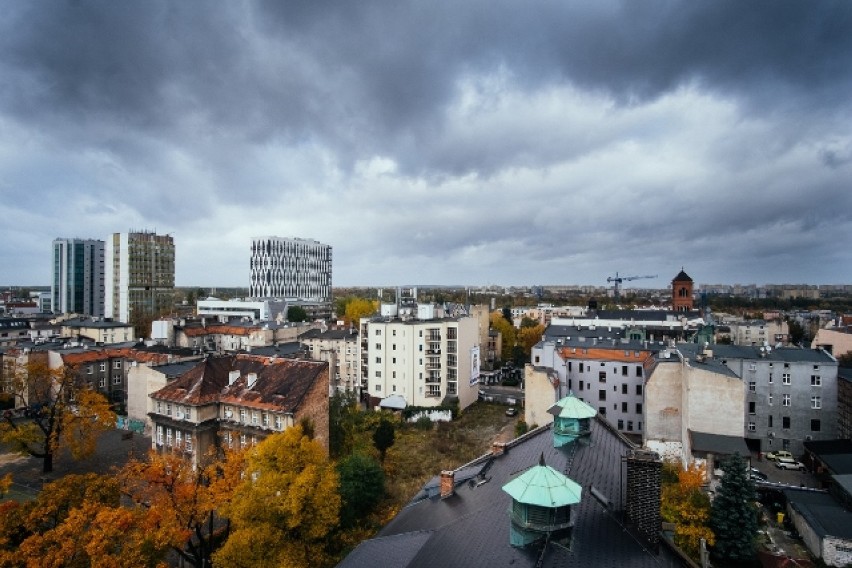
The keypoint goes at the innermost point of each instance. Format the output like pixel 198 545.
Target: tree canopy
pixel 285 506
pixel 296 314
pixel 65 413
pixel 508 333
pixel 733 516
pixel 384 437
pixel 362 485
pixel 684 503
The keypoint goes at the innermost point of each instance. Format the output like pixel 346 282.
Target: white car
pixel 789 463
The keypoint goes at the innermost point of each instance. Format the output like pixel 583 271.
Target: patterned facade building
pixel 290 268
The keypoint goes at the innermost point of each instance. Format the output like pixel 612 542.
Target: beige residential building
pixel 339 348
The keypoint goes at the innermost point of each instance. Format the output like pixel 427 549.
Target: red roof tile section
pixel 93 355
pixel 220 329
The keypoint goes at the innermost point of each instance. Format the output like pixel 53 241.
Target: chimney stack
pixel 447 483
pixel 498 449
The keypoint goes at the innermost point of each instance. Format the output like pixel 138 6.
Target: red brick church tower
pixel 682 292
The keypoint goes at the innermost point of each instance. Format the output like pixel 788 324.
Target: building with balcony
pixel 420 355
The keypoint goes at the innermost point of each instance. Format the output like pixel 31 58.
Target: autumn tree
pixel 77 521
pixel 362 485
pixel 65 413
pixel 357 308
pixel 182 501
pixel 734 515
pixel 528 337
pixel 507 331
pixel 285 506
pixel 684 503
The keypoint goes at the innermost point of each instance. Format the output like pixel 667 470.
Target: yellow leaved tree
pixel 285 507
pixel 688 506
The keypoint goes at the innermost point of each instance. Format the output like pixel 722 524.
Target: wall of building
pixel 835 342
pixel 716 402
pixel 142 380
pixel 315 408
pixel 664 416
pixel 539 395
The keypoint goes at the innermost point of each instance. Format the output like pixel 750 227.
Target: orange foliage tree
pixel 65 413
pixel 686 505
pixel 181 502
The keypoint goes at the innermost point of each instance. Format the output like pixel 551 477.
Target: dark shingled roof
pixel 281 383
pixel 471 527
pixel 682 277
pixel 718 444
pixel 825 516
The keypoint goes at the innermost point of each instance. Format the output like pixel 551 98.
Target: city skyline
pixel 476 142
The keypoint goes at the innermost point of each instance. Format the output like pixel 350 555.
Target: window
pixel 624 370
pixel 89 370
pixel 279 423
pixel 602 394
pixel 581 385
pixel 752 427
pixel 638 408
pixel 752 407
pixel 378 359
pixel 602 410
pixel 116 365
pixel 187 413
pixel 103 366
pixel 178 438
pixel 582 367
pixel 159 407
pixel 378 345
pixel 785 421
pixel 168 409
pixel 168 437
pixel 255 419
pixel 624 388
pixel 621 424
pixel 378 374
pixel 243 440
pixel 815 425
pixel 816 367
pixel 160 435
pixel 242 415
pixel 785 378
pixel 266 420
pixel 816 402
pixel 816 380
pixel 786 400
pixel 770 399
pixel 378 332
pixel 769 421
pixel 770 375
pixel 602 376
pixel 639 390
pixel 624 407
pixel 188 442
pixel 785 444
pixel 116 379
pixel 638 370
pixel 394 334
pixel 393 347
pixel 629 425
pixel 102 382
pixel 752 386
pixel 378 388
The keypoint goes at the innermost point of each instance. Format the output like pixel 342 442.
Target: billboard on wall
pixel 474 365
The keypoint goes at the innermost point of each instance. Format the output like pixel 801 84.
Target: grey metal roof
pixel 824 515
pixel 471 527
pixel 173 370
pixel 718 444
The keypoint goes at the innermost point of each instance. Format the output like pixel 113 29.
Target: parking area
pixel 785 476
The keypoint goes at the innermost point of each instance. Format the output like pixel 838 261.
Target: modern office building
pixel 140 275
pixel 78 277
pixel 292 269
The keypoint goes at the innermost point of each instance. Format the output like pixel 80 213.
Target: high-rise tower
pixel 78 277
pixel 291 269
pixel 140 275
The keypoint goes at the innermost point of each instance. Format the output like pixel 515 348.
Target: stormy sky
pixel 471 142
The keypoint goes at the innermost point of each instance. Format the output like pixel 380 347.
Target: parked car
pixel 789 463
pixel 757 475
pixel 779 454
pixel 511 411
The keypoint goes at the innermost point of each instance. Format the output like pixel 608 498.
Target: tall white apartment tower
pixel 78 277
pixel 140 275
pixel 290 268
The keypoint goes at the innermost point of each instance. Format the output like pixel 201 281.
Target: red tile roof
pixel 93 355
pixel 220 329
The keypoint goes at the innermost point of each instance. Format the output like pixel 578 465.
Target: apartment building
pixel 339 348
pixel 236 401
pixel 140 275
pixel 791 393
pixel 759 333
pixel 419 355
pixel 78 282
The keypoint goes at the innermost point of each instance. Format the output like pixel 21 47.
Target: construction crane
pixel 617 280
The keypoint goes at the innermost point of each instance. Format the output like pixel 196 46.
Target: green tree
pixel 384 437
pixel 342 420
pixel 797 331
pixel 733 515
pixel 297 314
pixel 362 485
pixel 527 321
pixel 65 413
pixel 285 507
pixel 507 315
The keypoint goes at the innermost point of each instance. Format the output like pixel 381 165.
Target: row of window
pixel 174 438
pixel 786 400
pixel 91 368
pixel 625 369
pixel 180 412
pixel 587 386
pixel 255 418
pixel 786 423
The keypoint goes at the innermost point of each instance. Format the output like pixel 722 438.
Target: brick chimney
pixel 644 480
pixel 447 483
pixel 498 449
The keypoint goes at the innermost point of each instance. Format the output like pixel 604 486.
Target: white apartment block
pixel 226 310
pixel 425 359
pixel 78 277
pixel 140 274
pixel 291 269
